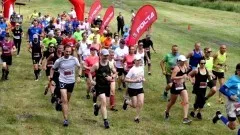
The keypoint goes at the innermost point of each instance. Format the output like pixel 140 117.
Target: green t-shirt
pixel 171 62
pixel 46 42
pixel 78 35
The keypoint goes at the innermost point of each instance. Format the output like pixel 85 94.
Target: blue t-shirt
pixel 75 25
pixel 233 85
pixel 3 27
pixel 32 31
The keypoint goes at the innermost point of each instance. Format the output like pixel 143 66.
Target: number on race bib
pixel 203 85
pixel 179 86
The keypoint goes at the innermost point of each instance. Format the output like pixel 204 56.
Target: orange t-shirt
pixel 107 43
pixel 90 61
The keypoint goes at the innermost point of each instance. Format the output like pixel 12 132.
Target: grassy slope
pixel 24 109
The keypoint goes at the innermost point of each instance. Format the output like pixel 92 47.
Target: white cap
pixel 105 52
pixel 35 36
pixel 182 58
pixel 89 42
pixel 137 57
pixel 98 17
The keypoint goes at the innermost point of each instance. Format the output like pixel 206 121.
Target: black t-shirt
pixel 59 39
pixel 147 43
pixel 17 33
pixel 49 28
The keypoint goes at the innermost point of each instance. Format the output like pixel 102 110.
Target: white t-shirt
pixel 57 26
pixel 83 46
pixel 135 73
pixel 86 53
pixel 73 14
pixel 142 56
pixel 63 25
pixel 86 24
pixel 66 68
pixel 120 53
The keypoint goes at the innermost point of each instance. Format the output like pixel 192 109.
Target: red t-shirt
pixel 90 61
pixel 129 59
pixel 6 48
pixel 69 41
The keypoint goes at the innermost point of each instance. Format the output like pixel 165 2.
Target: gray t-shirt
pixel 66 68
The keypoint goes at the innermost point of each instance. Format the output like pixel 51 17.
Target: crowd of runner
pixel 106 62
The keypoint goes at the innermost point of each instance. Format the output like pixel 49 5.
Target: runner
pixel 34 30
pixel 6 50
pixel 66 66
pixel 54 84
pixel 47 65
pixel 58 36
pixel 95 44
pixel 209 66
pixel 115 42
pixel 201 75
pixel 142 52
pixel 88 63
pixel 135 79
pixel 219 67
pixel 36 48
pixel 147 43
pixel 231 90
pixel 167 65
pixel 120 53
pixel 17 37
pixel 195 56
pixel 179 75
pixel 49 40
pixel 104 75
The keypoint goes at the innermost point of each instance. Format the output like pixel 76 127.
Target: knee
pixel 214 89
pixel 103 103
pixel 64 100
pixel 140 104
pixel 232 127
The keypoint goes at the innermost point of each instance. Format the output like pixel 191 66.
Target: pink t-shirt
pixel 6 48
pixel 129 60
pixel 90 61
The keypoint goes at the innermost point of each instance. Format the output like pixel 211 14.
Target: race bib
pixel 203 85
pixel 17 37
pixel 237 106
pixel 36 55
pixel 6 51
pixel 67 73
pixel 179 86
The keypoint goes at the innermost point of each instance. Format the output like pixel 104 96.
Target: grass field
pixel 26 111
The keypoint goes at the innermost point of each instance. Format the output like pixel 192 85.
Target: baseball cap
pixel 89 42
pixel 35 36
pixel 51 45
pixel 105 52
pixel 98 17
pixel 148 36
pixel 50 34
pixel 137 57
pixel 182 58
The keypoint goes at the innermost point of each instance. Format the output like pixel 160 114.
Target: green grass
pixel 25 111
pixel 233 6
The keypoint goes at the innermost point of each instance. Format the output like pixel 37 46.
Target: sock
pixel 94 104
pixel 112 100
pixel 6 74
pixel 38 71
pixel 36 74
pixel 223 119
pixel 239 131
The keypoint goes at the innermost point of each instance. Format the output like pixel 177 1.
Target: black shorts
pixel 36 60
pixel 69 86
pixel 121 71
pixel 102 90
pixel 135 92
pixel 218 75
pixel 168 79
pixel 7 59
pixel 176 92
pixel 211 84
pixel 48 71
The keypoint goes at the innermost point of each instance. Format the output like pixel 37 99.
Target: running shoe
pixel 53 99
pixel 113 109
pixel 125 104
pixel 192 114
pixel 216 118
pixel 149 73
pixel 65 123
pixel 199 116
pixel 96 109
pixel 106 124
pixel 58 106
pixel 46 91
pixel 187 121
pixel 137 120
pixel 166 115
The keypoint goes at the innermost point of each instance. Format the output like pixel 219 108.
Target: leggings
pixel 17 43
pixel 200 98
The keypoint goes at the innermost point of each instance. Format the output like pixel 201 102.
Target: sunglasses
pixel 202 63
pixel 209 51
